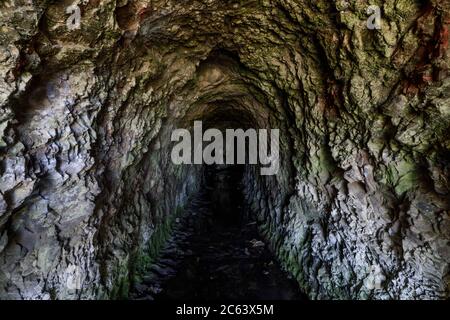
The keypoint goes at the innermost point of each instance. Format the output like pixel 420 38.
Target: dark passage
pixel 216 252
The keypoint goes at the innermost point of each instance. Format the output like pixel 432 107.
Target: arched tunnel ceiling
pixel 224 95
pixel 360 206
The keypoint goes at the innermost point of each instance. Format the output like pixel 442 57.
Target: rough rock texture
pixel 360 208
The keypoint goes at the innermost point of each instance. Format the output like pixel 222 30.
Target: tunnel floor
pixel 216 253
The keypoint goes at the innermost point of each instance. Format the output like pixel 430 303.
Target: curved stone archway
pixel 360 206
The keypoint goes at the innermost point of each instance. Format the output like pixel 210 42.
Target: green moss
pixel 402 176
pixel 390 176
pixel 323 164
pixel 145 258
pixel 407 182
pixel 122 287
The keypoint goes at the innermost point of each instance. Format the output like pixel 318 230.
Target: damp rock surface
pixel 89 195
pixel 216 255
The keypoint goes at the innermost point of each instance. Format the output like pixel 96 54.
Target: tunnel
pixel 93 206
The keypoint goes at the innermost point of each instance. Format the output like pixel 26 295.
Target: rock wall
pixel 360 208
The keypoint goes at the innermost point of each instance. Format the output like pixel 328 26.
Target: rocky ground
pixel 214 255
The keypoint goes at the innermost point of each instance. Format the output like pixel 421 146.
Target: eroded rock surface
pixel 360 208
pixel 215 253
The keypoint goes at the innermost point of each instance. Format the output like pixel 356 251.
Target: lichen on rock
pixel 360 208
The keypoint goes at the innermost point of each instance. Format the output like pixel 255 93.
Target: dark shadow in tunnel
pixel 223 257
pixel 216 251
pixel 223 183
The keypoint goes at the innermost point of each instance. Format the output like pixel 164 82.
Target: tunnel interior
pixel 93 207
pixel 224 183
pixel 223 244
pixel 223 255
